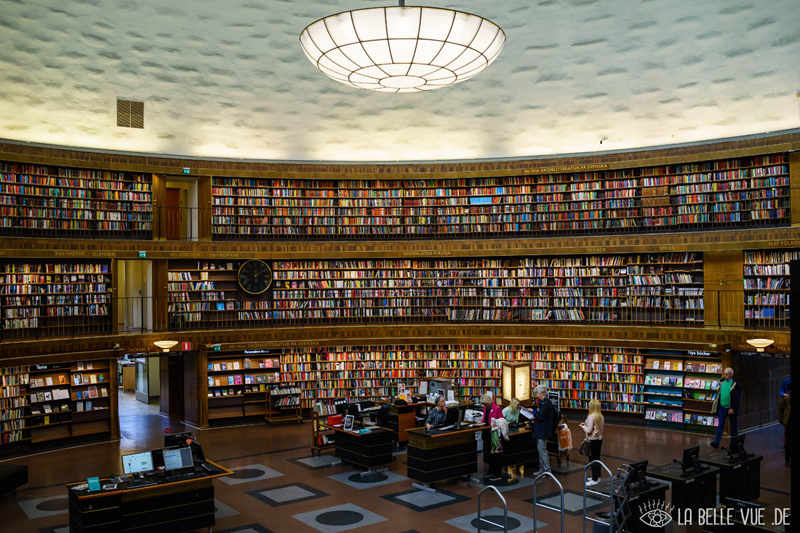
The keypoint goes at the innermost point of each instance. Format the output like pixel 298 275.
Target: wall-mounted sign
pixel 186 170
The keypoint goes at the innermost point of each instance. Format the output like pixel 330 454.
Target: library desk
pixel 439 455
pixel 740 480
pixel 183 505
pixel 694 491
pixel 635 504
pixel 404 417
pixel 519 449
pixel 367 450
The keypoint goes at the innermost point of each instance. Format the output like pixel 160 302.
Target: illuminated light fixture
pixel 165 345
pixel 402 49
pixel 516 382
pixel 760 344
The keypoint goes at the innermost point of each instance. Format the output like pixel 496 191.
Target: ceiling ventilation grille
pixel 130 114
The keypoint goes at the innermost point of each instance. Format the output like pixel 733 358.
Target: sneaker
pixel 714 444
pixel 590 482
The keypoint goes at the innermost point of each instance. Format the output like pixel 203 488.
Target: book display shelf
pixel 54 201
pixel 41 298
pixel 238 382
pixel 680 388
pixel 766 288
pixel 206 294
pixel 283 403
pixel 322 438
pixel 731 193
pixel 53 402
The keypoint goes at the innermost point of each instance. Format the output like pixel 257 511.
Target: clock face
pixel 255 276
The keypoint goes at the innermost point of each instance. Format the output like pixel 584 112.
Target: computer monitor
pixel 736 451
pixel 740 506
pixel 177 439
pixel 341 408
pixel 691 461
pixel 452 417
pixel 638 475
pixel 137 463
pixel 348 423
pixel 177 458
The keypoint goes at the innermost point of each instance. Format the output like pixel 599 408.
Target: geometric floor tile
pixel 286 494
pixel 568 468
pixel 41 507
pixel 506 484
pixel 573 502
pixel 517 523
pixel 368 481
pixel 249 528
pixel 223 511
pixel 421 500
pixel 339 518
pixel 249 473
pixel 313 463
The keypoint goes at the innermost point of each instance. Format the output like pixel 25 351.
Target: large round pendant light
pixel 402 49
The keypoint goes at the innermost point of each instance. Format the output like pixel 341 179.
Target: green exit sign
pixel 217 348
pixel 186 170
pixel 142 254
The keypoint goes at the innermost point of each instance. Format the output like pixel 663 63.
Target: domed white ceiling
pixel 227 78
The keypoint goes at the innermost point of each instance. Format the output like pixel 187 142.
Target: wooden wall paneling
pixel 204 203
pixel 160 295
pixel 163 374
pixel 159 202
pixel 713 274
pixel 194 394
pixel 114 395
pixel 759 377
pixel 794 186
pixel 116 303
pixel 724 290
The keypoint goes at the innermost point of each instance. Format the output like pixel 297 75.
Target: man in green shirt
pixel 726 405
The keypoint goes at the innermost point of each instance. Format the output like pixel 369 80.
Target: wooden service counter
pixel 404 417
pixel 519 449
pixel 367 450
pixel 693 491
pixel 439 455
pixel 739 479
pixel 183 505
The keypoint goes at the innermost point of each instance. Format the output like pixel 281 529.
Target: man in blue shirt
pixel 784 390
pixel 726 405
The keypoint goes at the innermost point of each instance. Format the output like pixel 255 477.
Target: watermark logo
pixel 656 513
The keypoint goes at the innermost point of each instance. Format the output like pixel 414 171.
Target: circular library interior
pixel 272 267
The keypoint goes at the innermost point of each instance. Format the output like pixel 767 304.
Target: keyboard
pixel 180 477
pixel 445 428
pixel 139 484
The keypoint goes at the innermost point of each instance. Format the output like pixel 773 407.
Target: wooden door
pixel 173 215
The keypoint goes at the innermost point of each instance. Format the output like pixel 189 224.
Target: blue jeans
pixel 722 414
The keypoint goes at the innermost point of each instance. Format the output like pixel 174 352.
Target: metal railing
pixel 537 503
pixel 611 496
pixel 481 520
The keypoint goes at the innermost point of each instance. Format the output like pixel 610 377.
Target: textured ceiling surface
pixel 227 78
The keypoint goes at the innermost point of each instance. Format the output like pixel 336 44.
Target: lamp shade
pixel 760 344
pixel 402 49
pixel 516 382
pixel 165 345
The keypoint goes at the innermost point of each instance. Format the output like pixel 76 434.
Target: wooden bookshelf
pixel 55 201
pixel 238 382
pixel 206 294
pixel 730 193
pixel 14 406
pixel 766 288
pixel 93 384
pixel 283 403
pixel 40 298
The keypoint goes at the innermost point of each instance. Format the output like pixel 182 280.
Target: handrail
pixel 544 505
pixel 505 510
pixel 610 522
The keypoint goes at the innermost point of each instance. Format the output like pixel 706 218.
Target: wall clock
pixel 255 276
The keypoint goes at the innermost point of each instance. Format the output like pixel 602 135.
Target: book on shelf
pixel 89 406
pixel 92 392
pixel 47 408
pixel 48 381
pixel 667 365
pixel 80 365
pixel 656 364
pixel 79 406
pixel 104 392
pixel 217 367
pixel 77 379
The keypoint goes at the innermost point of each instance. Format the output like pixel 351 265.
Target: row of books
pixel 663 381
pixel 707 384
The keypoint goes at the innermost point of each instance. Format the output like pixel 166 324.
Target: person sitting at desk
pixel 438 414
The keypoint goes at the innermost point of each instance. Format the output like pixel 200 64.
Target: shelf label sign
pixel 142 254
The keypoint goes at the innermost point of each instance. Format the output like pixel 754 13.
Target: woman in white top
pixel 594 433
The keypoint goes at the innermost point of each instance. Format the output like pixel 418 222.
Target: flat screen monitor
pixel 178 439
pixel 176 458
pixel 136 463
pixel 452 417
pixel 691 460
pixel 736 451
pixel 638 474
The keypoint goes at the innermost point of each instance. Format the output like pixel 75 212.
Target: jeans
pixel 723 415
pixel 544 460
pixel 594 455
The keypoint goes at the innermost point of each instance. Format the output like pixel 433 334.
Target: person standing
pixel 594 425
pixel 726 405
pixel 491 411
pixel 542 427
pixel 784 417
pixel 785 387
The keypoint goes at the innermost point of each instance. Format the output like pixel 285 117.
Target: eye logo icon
pixel 656 513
